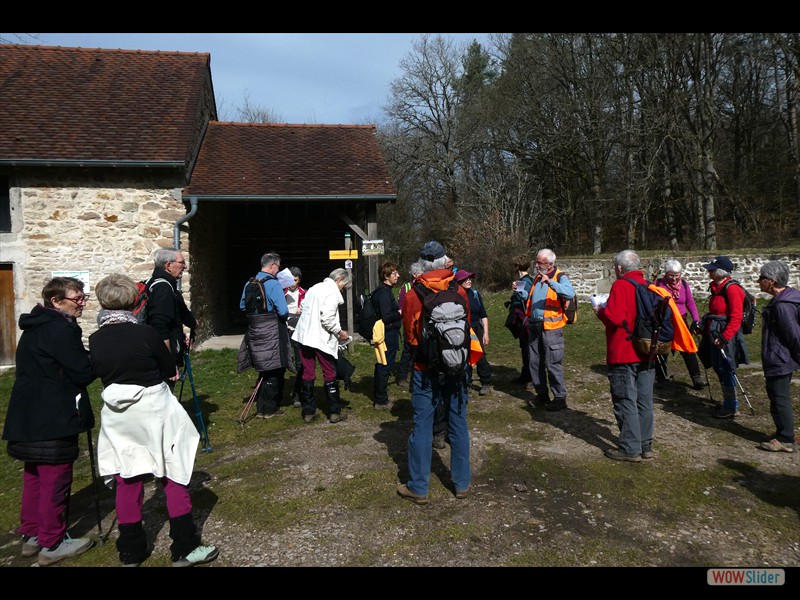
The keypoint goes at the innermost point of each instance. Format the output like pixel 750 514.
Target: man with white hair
pixel 631 376
pixel 545 315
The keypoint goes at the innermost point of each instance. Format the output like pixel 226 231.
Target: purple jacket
pixel 685 300
pixel 780 334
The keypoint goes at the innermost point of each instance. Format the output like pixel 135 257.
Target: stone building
pixel 107 155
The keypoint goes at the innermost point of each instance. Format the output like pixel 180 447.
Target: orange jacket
pixel 683 340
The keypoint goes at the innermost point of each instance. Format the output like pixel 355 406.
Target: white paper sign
pixel 285 278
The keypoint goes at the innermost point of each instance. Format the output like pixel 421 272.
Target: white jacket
pixel 318 326
pixel 145 430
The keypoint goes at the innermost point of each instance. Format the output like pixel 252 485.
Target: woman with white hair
pixel 319 333
pixel 681 292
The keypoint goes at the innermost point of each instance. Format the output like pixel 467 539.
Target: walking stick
pixel 201 426
pixel 94 483
pixel 243 416
pixel 736 379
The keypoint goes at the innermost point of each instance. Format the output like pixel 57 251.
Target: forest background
pixel 589 143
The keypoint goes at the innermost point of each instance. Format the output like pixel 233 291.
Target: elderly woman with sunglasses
pixel 681 291
pixel 49 407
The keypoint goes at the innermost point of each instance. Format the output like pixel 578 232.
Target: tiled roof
pixel 88 104
pixel 269 159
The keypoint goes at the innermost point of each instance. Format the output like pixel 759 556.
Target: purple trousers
pixel 45 495
pixel 309 355
pixel 130 497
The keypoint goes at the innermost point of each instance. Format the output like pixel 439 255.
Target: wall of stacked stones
pixel 595 276
pixel 63 224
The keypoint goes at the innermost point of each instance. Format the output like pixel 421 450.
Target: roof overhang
pixel 43 162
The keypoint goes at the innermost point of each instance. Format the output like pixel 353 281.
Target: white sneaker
pixel 67 548
pixel 198 556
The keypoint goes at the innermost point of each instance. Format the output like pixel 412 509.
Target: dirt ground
pixel 541 507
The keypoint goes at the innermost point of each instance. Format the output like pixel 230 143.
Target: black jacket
pixel 49 404
pixel 386 306
pixel 167 312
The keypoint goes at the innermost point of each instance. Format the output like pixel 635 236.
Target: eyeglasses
pixel 542 262
pixel 80 300
pixel 672 274
pixel 180 262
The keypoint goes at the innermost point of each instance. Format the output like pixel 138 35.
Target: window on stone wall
pixel 5 204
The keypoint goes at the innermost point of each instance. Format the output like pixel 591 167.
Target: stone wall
pixel 595 276
pixel 90 223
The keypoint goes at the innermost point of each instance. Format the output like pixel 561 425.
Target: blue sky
pixel 301 77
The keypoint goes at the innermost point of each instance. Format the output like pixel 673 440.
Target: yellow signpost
pixel 343 254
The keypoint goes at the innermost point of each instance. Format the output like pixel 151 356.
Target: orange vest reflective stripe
pixel 554 317
pixel 683 340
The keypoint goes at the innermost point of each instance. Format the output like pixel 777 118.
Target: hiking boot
pixel 385 406
pixel 402 383
pixel 30 545
pixel 338 417
pixel 404 492
pixel 311 418
pixel 773 445
pixel 556 405
pixel 647 453
pixel 296 400
pixel 277 413
pixel 439 441
pixel 486 390
pixel 725 413
pixel 539 401
pixel 461 494
pixel 617 454
pixel 67 548
pixel 198 556
pixel 698 383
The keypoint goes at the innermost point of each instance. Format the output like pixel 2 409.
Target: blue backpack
pixel 652 332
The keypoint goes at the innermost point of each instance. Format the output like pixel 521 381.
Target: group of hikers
pixel 146 433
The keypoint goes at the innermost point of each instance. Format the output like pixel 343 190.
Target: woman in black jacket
pixel 49 407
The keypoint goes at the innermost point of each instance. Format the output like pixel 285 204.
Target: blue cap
pixel 431 251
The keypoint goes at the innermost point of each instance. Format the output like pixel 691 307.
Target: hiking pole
pixel 736 379
pixel 243 416
pixel 201 426
pixel 94 484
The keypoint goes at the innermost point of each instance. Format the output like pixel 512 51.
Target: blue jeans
pixel 427 393
pixel 632 395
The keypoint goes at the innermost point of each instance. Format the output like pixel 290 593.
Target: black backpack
pixel 653 321
pixel 255 297
pixel 445 340
pixel 748 309
pixel 140 305
pixel 367 316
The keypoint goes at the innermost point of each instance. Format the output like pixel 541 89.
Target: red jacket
pixel 621 307
pixel 732 310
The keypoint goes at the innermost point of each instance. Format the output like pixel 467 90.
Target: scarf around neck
pixel 114 317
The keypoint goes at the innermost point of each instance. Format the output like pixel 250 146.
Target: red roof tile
pixel 270 159
pixel 61 103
